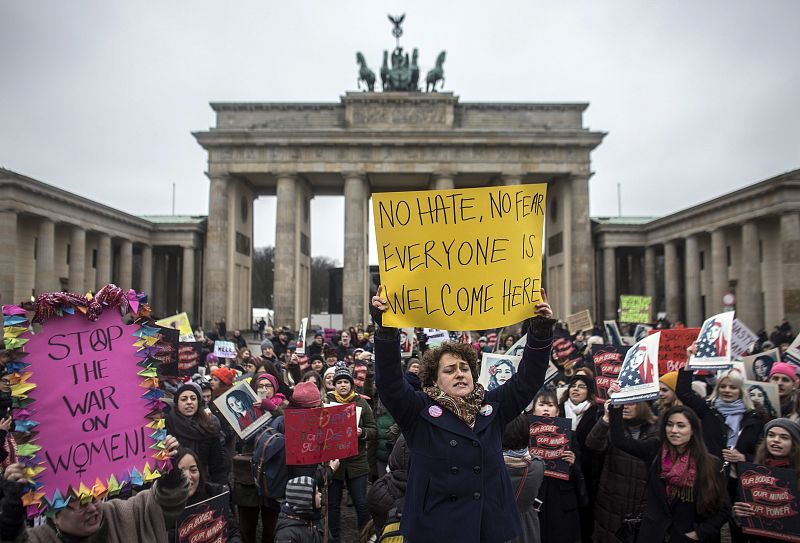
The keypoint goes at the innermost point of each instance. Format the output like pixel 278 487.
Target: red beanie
pixel 305 394
pixel 226 375
pixel 784 368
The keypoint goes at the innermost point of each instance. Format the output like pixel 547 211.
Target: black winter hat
pixel 343 373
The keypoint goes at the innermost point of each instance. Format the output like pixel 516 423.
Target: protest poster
pixel 764 395
pixel 758 366
pixel 607 365
pixel 638 377
pixel 463 259
pixel 672 355
pixel 772 493
pixel 224 349
pixel 181 323
pixel 580 322
pixel 714 344
pixel 188 358
pixel 87 405
pixel 407 336
pixel 167 351
pixel 641 332
pixel 497 369
pixel 565 353
pixel 301 337
pixel 205 521
pixel 550 438
pixel 612 332
pixel 742 339
pixel 436 337
pixel 635 309
pixel 792 354
pixel 241 408
pixel 321 434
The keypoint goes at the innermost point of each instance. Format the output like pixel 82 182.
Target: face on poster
pixel 612 332
pixel 714 343
pixel 497 369
pixel 764 395
pixel 241 408
pixel 638 377
pixel 758 366
pixel 406 342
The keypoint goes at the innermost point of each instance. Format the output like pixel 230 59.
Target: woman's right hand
pixel 743 509
pixel 377 306
pixel 607 406
pixel 14 473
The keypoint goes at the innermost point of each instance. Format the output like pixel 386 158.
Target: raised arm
pixel 643 449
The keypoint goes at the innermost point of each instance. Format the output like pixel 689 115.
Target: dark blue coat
pixel 458 487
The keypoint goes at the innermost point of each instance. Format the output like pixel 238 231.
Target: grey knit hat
pixel 789 425
pixel 300 494
pixel 266 344
pixel 343 373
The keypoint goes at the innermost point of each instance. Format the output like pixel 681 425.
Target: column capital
pixel 354 174
pixel 510 179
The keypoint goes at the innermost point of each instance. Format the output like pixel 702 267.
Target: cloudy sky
pixel 100 97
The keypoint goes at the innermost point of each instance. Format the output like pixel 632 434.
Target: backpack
pixel 391 530
pixel 269 464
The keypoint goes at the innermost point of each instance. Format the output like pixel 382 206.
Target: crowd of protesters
pixel 440 458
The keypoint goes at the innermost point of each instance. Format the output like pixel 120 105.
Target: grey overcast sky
pixel 99 97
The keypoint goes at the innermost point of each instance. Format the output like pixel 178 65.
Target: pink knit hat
pixel 785 368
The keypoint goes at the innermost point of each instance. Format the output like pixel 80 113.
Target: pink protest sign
pixel 88 401
pixel 320 434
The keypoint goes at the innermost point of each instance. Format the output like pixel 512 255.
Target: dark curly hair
pixel 429 365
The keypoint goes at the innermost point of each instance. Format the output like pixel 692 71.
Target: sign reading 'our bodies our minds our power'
pixel 465 259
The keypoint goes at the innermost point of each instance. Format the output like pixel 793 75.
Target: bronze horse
pixel 435 74
pixel 365 75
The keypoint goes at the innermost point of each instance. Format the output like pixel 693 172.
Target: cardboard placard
pixel 550 438
pixel 607 365
pixel 497 369
pixel 320 434
pixel 672 355
pixel 466 259
pixel 580 322
pixel 773 494
pixel 714 344
pixel 638 378
pixel 205 521
pixel 635 309
pixel 241 408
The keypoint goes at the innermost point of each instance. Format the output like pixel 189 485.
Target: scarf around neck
pixel 679 474
pixel 465 408
pixel 575 412
pixel 346 399
pixel 733 413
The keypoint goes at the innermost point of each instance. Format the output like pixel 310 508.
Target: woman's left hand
pixel 732 455
pixel 172 445
pixel 568 457
pixel 543 308
pixel 693 535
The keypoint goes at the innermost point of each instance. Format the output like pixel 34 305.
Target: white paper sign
pixel 714 344
pixel 301 337
pixel 742 339
pixel 225 349
pixel 638 376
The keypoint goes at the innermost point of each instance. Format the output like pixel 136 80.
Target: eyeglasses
pixel 579 386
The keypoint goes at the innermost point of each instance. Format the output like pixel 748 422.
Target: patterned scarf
pixel 679 474
pixel 465 408
pixel 347 399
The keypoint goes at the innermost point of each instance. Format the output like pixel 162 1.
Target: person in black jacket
pixel 300 519
pixel 686 497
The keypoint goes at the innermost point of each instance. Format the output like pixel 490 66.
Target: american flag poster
pixel 638 377
pixel 714 344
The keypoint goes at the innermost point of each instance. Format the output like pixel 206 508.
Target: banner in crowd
pixel 742 339
pixel 188 357
pixel 321 434
pixel 86 396
pixel 612 332
pixel 465 259
pixel 607 365
pixel 758 366
pixel 181 323
pixel 764 395
pixel 672 355
pixel 224 349
pixel 205 521
pixel 638 377
pixel 550 438
pixel 714 344
pixel 301 337
pixel 497 369
pixel 580 322
pixel 241 408
pixel 406 342
pixel 772 493
pixel 635 309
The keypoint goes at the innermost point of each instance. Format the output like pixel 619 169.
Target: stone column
pixel 287 246
pixel 147 270
pixel 790 265
pixel 610 283
pixel 45 258
pixel 672 284
pixel 719 272
pixel 510 179
pixel 103 261
pixel 441 181
pixel 125 264
pixel 356 277
pixel 748 292
pixel 77 260
pixel 8 262
pixel 650 272
pixel 581 267
pixel 692 284
pixel 187 284
pixel 218 255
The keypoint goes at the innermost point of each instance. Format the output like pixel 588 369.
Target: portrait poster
pixel 224 349
pixel 641 332
pixel 613 334
pixel 607 365
pixel 635 309
pixel 714 344
pixel 301 337
pixel 181 323
pixel 188 358
pixel 672 355
pixel 580 322
pixel 205 521
pixel 321 434
pixel 460 259
pixel 549 438
pixel 407 336
pixel 758 366
pixel 241 408
pixel 638 377
pixel 773 494
pixel 497 369
pixel 764 395
pixel 742 339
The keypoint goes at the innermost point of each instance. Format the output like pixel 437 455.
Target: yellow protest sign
pixel 465 259
pixel 179 322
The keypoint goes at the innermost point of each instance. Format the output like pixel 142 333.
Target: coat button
pixel 476 496
pixel 453 497
pixel 453 442
pixel 476 469
pixel 454 470
pixel 475 443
